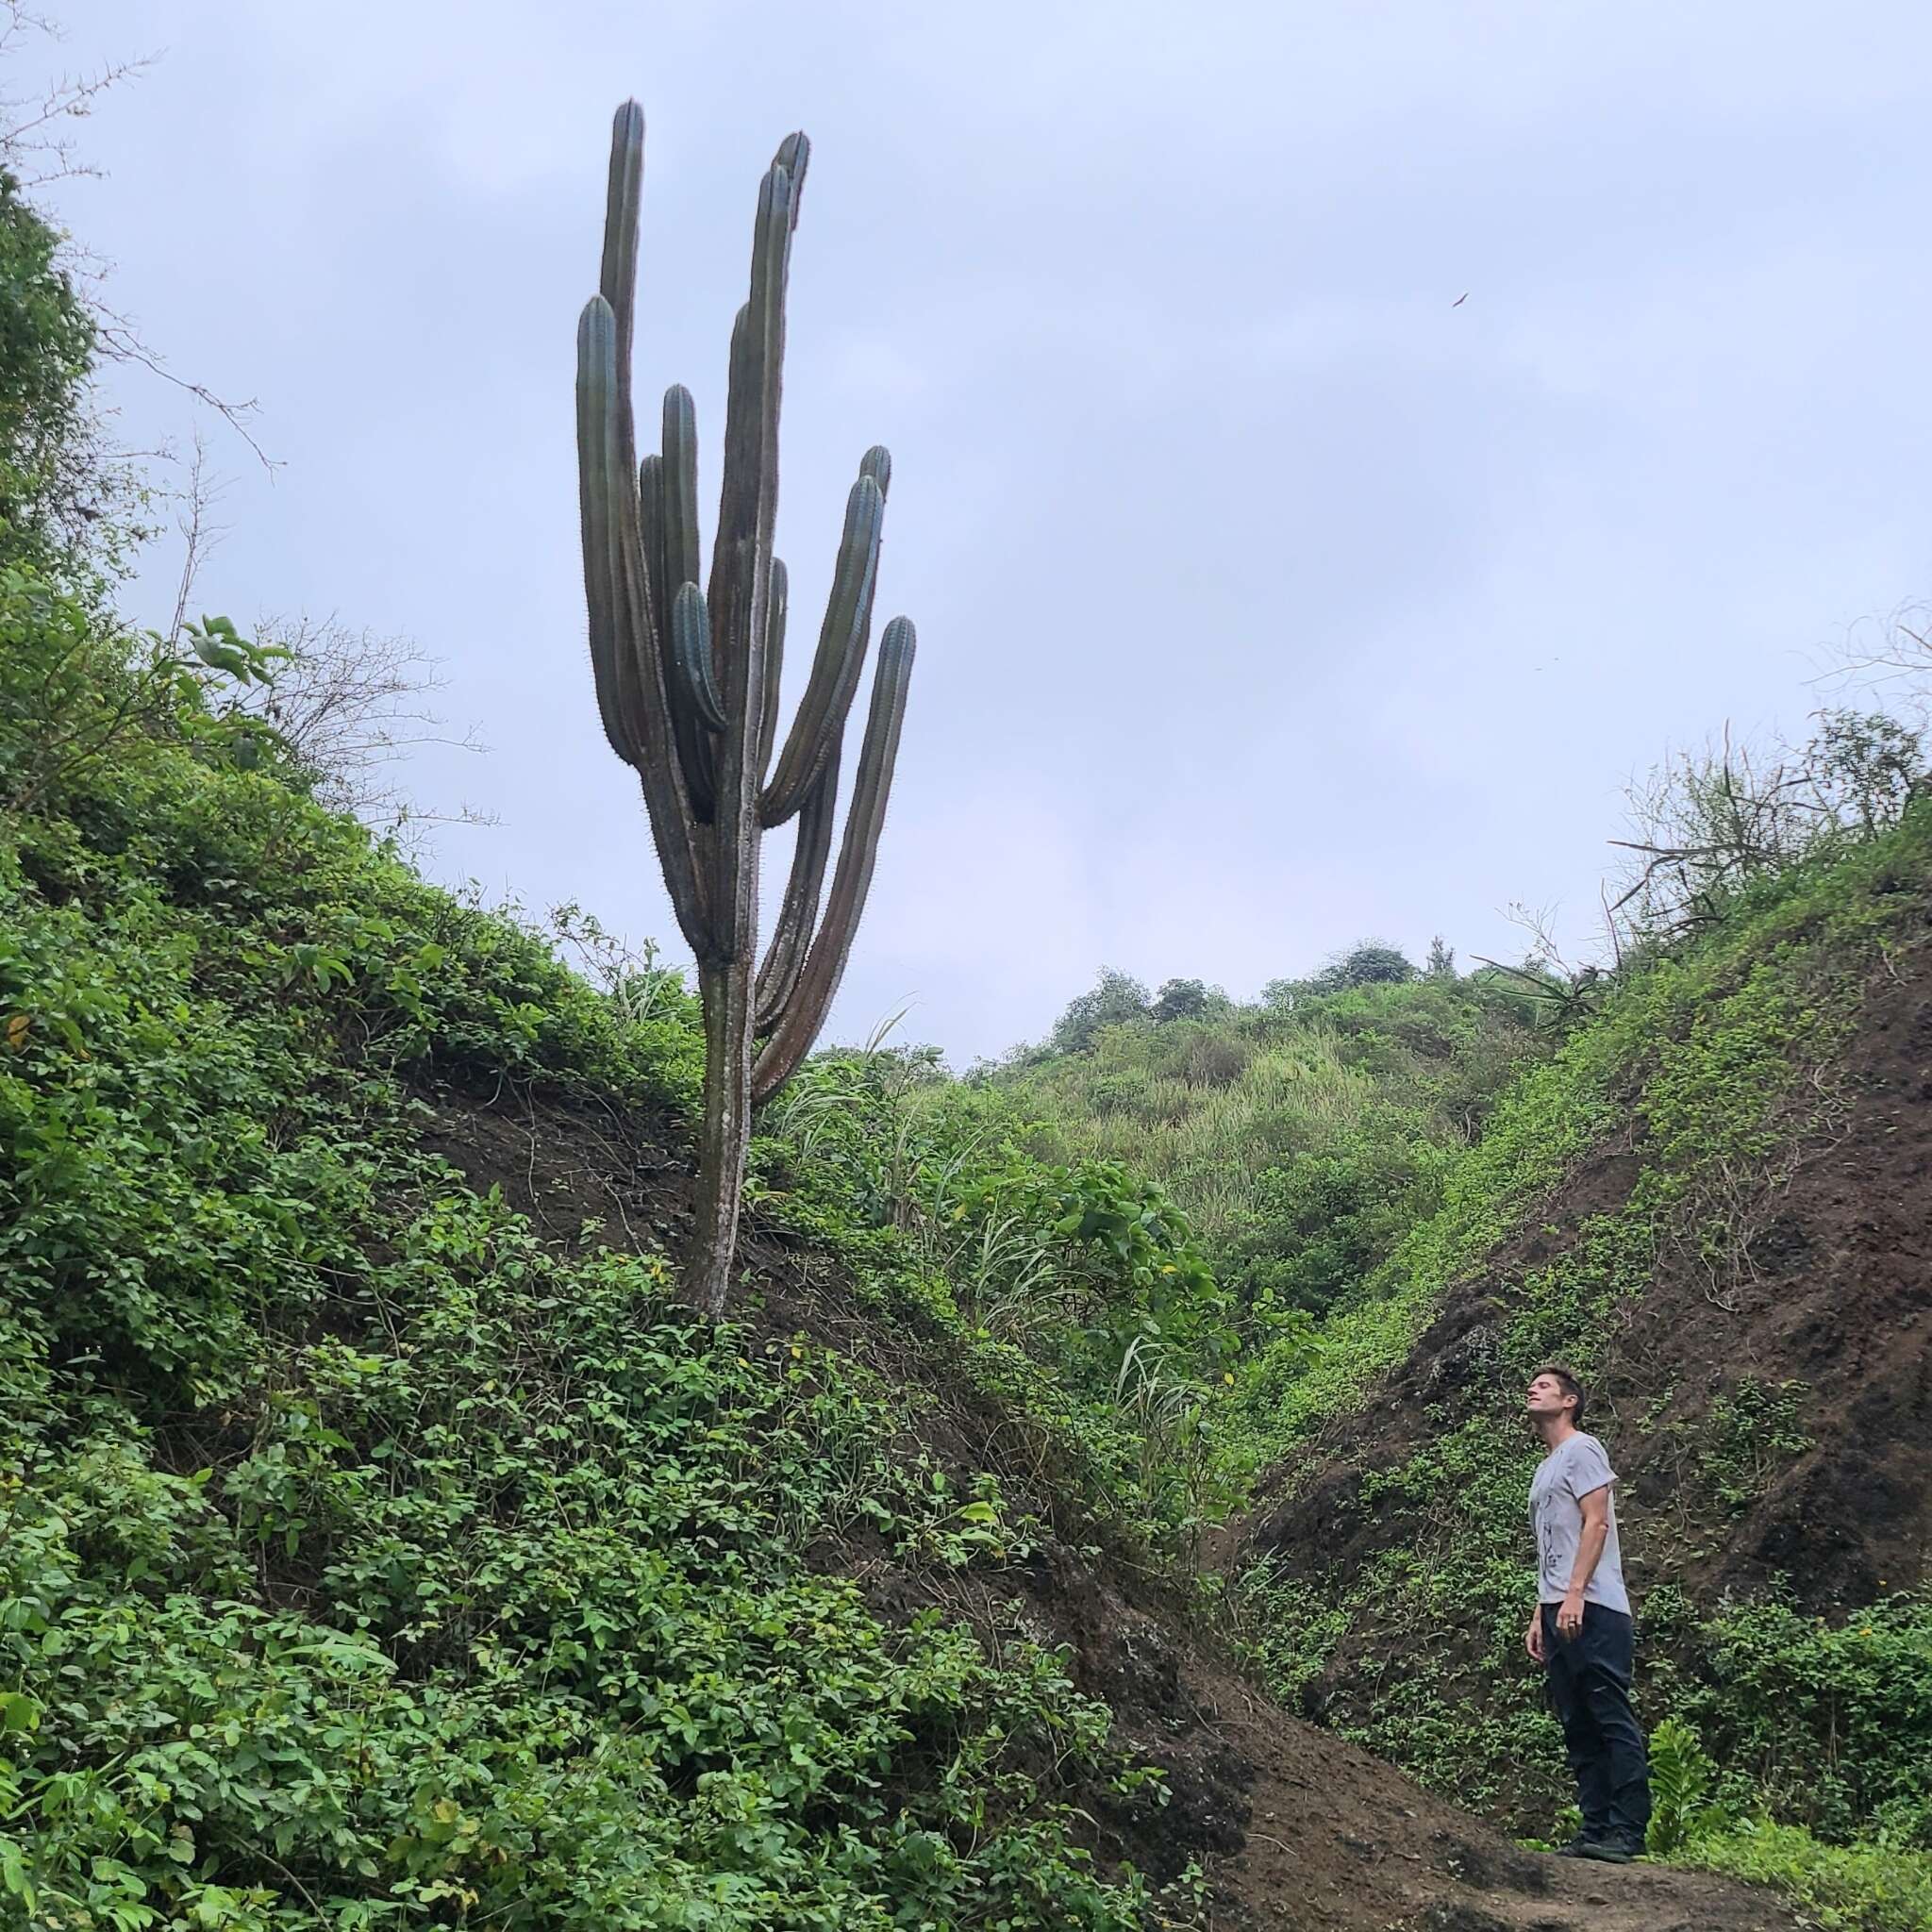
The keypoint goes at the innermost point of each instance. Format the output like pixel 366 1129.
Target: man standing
pixel 1580 1630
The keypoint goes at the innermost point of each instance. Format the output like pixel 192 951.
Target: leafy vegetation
pixel 1303 1135
pixel 365 1557
pixel 53 487
pixel 1749 1431
pixel 1864 1888
pixel 366 1560
pixel 1075 1298
pixel 1880 1887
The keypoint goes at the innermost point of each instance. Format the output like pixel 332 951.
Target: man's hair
pixel 1568 1384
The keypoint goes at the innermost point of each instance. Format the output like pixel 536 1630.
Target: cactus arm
pixel 748 500
pixel 618 279
pixel 680 548
pixel 835 671
pixel 618 284
pixel 790 937
pixel 824 965
pixel 690 652
pixel 695 712
pixel 741 569
pixel 599 538
pixel 748 495
pixel 622 695
pixel 777 603
pixel 624 653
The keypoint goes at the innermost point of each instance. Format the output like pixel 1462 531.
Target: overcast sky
pixel 1266 599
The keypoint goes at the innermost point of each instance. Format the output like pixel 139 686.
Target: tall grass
pixel 1208 1107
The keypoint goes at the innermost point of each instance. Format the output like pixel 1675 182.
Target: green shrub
pixel 1826 1724
pixel 1251 1116
pixel 56 489
pixel 1846 1888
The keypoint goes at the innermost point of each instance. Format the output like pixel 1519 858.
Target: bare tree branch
pixel 1707 824
pixel 120 342
pixel 199 534
pixel 34 144
pixel 350 705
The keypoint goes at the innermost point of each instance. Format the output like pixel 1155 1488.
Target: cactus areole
pixel 687 679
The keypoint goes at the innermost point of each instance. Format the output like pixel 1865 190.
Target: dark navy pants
pixel 1590 1687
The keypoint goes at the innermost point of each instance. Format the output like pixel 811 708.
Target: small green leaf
pixel 18 1711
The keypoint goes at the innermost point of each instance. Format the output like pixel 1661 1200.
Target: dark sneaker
pixel 1609 1850
pixel 1574 1849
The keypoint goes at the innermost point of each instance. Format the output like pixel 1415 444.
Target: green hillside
pixel 1303 1135
pixel 1639 1208
pixel 373 1552
pixel 366 1553
pixel 1703 1186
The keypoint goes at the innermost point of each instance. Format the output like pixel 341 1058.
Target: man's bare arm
pixel 1590 1550
pixel 1596 1533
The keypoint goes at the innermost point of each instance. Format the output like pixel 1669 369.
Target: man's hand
pixel 1570 1616
pixel 1533 1637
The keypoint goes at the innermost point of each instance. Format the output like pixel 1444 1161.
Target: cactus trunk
pixel 726 992
pixel 687 683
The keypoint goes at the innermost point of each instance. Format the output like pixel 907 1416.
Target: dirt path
pixel 1338 1841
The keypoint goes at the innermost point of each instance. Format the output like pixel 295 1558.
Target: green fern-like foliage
pixel 1683 1781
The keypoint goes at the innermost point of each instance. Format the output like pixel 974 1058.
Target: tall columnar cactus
pixel 687 682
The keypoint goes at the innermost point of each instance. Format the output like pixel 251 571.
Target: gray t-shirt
pixel 1569 1473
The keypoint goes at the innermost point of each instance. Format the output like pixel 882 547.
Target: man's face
pixel 1546 1398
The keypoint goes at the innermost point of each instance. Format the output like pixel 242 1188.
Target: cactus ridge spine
pixel 777 605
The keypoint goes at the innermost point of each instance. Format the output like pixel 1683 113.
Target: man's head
pixel 1554 1396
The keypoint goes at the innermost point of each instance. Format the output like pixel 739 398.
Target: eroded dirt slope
pixel 1829 1320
